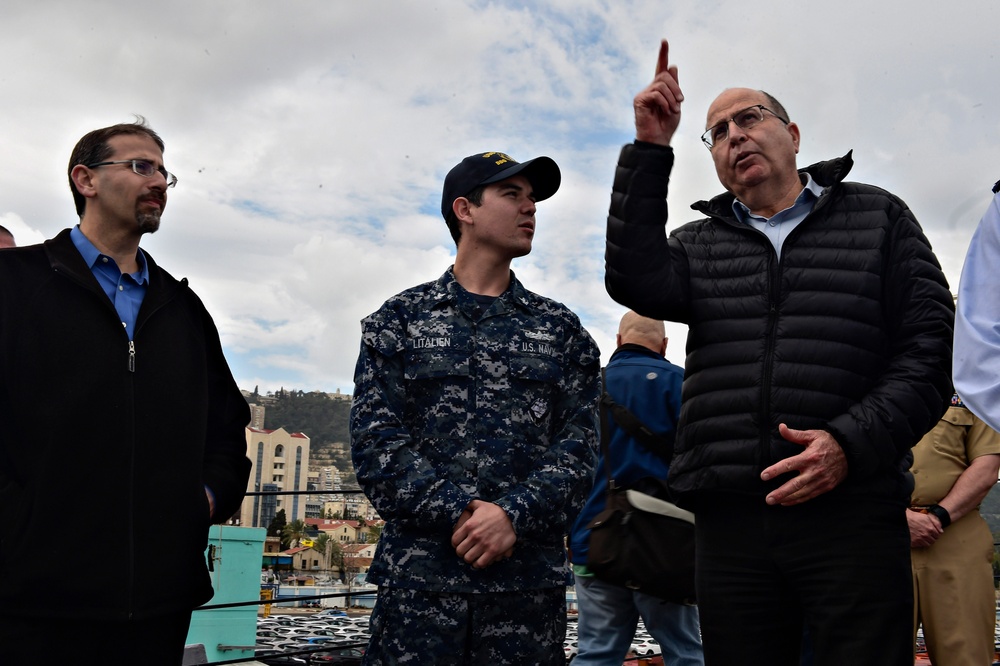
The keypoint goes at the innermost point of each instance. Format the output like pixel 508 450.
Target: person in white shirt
pixel 977 320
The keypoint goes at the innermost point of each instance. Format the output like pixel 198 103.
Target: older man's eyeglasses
pixel 144 168
pixel 746 119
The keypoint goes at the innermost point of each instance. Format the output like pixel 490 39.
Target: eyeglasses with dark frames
pixel 144 168
pixel 746 119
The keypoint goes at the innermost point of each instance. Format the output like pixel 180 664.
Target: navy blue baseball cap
pixel 486 168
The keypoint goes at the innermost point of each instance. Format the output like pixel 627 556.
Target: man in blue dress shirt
pixel 115 398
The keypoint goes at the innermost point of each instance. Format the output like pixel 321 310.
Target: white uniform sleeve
pixel 977 322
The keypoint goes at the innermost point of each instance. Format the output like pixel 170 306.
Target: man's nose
pixel 736 133
pixel 158 181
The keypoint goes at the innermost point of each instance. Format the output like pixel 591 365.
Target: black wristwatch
pixel 941 513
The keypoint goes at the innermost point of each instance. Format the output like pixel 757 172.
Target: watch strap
pixel 941 513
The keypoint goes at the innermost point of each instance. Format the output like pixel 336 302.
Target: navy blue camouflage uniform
pixel 456 401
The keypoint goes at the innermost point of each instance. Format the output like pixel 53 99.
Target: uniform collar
pixel 448 289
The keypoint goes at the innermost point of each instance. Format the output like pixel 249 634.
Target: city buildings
pixel 280 462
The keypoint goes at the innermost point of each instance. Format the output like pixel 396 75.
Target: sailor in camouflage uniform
pixel 474 433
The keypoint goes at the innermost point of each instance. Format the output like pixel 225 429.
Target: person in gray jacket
pixel 818 354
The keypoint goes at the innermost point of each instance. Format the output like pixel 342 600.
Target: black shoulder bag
pixel 641 541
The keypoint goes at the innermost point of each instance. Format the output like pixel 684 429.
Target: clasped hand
pixel 925 529
pixel 483 534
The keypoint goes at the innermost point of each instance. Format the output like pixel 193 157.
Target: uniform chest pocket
pixel 534 369
pixel 534 388
pixel 437 397
pixel 958 417
pixel 430 365
pixel 949 436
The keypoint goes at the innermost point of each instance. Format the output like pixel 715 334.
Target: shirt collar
pixel 811 191
pixel 91 254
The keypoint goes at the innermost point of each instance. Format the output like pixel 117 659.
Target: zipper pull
pixel 131 356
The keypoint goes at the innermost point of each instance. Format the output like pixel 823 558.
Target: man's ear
pixel 793 129
pixel 462 208
pixel 83 178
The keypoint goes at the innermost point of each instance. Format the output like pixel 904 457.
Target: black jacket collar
pixel 635 349
pixel 66 260
pixel 826 173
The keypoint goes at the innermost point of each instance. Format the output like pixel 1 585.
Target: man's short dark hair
pixel 475 197
pixel 94 148
pixel 775 106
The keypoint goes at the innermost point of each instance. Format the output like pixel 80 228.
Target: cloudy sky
pixel 311 138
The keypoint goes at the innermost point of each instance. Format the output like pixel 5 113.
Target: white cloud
pixel 23 234
pixel 311 138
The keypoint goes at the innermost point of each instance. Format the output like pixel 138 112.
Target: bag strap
pixel 605 437
pixel 661 445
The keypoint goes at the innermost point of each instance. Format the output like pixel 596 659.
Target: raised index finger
pixel 661 62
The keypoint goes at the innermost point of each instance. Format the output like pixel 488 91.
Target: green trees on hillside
pixel 324 420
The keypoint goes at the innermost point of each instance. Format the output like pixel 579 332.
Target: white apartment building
pixel 280 461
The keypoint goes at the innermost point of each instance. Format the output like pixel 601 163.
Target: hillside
pixel 323 420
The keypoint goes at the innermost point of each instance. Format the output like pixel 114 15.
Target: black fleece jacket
pixel 106 444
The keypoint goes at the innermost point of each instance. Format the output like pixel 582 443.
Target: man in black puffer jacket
pixel 818 354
